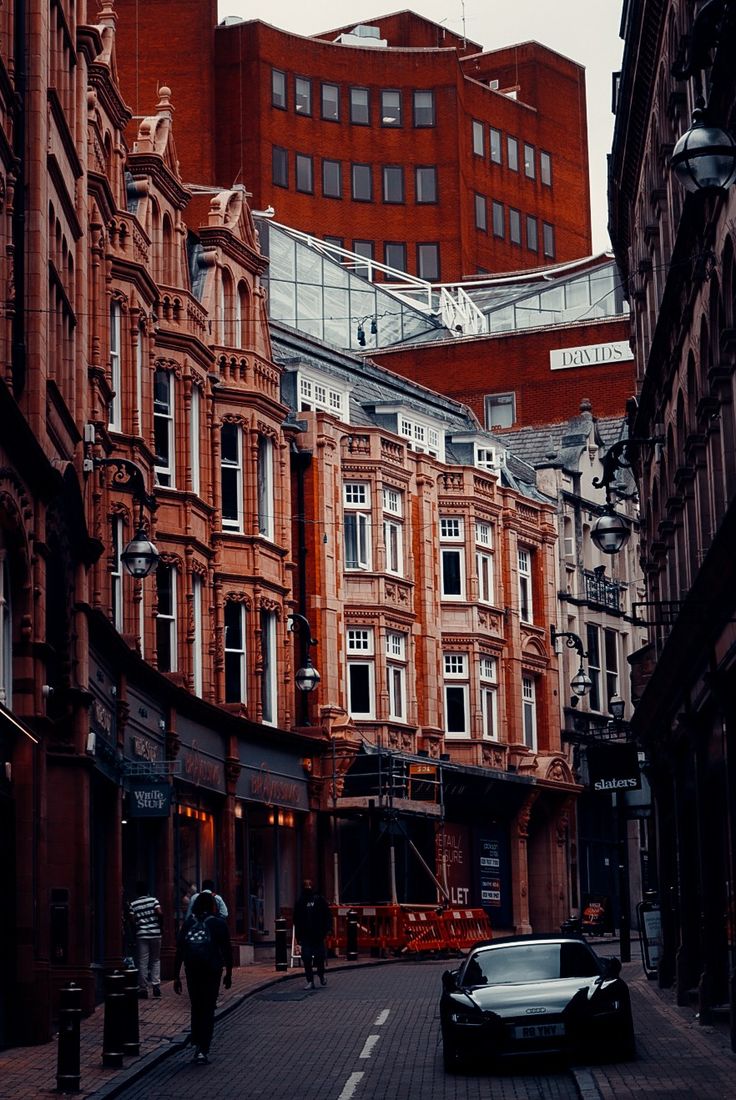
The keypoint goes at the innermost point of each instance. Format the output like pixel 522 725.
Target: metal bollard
pixel 114 1026
pixel 281 945
pixel 131 1032
pixel 352 944
pixel 67 1057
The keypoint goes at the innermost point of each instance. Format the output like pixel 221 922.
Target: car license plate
pixel 538 1031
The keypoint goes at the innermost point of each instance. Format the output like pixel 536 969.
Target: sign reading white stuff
pixel 590 355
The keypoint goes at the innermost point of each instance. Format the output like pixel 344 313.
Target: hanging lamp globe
pixel 611 532
pixel 705 156
pixel 581 683
pixel 140 556
pixel 307 678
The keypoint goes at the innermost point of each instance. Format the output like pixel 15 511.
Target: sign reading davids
pixel 149 800
pixel 614 768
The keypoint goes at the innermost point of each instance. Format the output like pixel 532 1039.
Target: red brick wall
pixel 518 362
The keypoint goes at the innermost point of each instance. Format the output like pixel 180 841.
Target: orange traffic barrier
pixel 395 929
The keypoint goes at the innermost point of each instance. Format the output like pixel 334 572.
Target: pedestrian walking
pixel 203 948
pixel 208 887
pixel 146 917
pixel 312 922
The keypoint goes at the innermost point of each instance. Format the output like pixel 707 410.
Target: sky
pixel 587 31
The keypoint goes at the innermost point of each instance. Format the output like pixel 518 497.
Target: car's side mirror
pixel 611 966
pixel 449 981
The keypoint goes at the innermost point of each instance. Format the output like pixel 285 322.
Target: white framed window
pixel 166 619
pixel 163 426
pixel 500 410
pixel 115 411
pixel 6 631
pixel 269 670
pixel 529 711
pixel 457 711
pixel 194 429
pixel 393 537
pixel 396 674
pixel 487 458
pixel 231 473
pixel 357 524
pixel 116 574
pixel 235 667
pixel 361 673
pixel 422 437
pixel 526 608
pixel 452 559
pixel 393 502
pixel 483 534
pixel 197 587
pixel 489 696
pixel 139 376
pixel 451 528
pixel 603 666
pixel 265 488
pixel 484 570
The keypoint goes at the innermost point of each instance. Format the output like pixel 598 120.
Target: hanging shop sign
pixel 613 768
pixel 149 799
pixel 273 777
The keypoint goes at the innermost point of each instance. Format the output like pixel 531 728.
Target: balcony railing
pixel 601 592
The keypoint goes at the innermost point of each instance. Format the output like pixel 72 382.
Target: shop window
pixel 489 696
pixel 278 89
pixel 266 497
pixel 163 426
pixel 500 410
pixel 360 112
pixel 426 184
pixel 231 460
pixel 235 665
pixel 115 409
pixel 424 108
pixel 391 108
pixel 166 619
pixel 279 166
pixel 457 713
pixel 303 95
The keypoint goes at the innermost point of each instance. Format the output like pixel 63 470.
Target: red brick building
pixel 399 140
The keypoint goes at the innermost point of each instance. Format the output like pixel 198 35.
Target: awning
pixel 9 722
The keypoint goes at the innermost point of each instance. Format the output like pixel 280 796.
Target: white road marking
pixel 369 1045
pixel 350 1086
pixel 382 1017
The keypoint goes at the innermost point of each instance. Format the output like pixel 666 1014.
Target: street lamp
pixel 616 707
pixel 610 532
pixel 306 677
pixel 705 156
pixel 140 557
pixel 581 683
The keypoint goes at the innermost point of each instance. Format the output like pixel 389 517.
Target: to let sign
pixel 149 800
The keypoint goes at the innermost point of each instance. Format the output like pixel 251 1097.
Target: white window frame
pixel 116 574
pixel 393 501
pixel 194 445
pixel 529 712
pixel 488 675
pixel 169 620
pixel 6 631
pixel 357 524
pixel 237 653
pixel 139 376
pixel 452 530
pixel 197 589
pixel 269 704
pixel 360 645
pixel 393 539
pixel 164 415
pixel 116 373
pixel 266 497
pixel 526 601
pixel 455 667
pixel 484 571
pixel 396 675
pixel 605 677
pixel 233 523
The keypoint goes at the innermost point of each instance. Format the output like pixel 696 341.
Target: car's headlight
pixel 464 1019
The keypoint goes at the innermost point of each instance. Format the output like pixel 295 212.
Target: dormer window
pixel 319 394
pixel 421 437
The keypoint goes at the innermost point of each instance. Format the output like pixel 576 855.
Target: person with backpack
pixel 208 887
pixel 146 918
pixel 203 948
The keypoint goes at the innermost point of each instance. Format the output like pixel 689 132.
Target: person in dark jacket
pixel 312 922
pixel 203 947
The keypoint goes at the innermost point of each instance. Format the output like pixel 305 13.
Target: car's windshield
pixel 530 962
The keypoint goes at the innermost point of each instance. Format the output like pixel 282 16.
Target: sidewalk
pixel 677 1057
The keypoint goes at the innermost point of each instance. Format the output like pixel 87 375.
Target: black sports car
pixel 535 995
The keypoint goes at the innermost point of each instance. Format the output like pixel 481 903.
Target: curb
pixel 585 1083
pixel 126 1077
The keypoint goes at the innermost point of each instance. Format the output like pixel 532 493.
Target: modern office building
pixel 397 139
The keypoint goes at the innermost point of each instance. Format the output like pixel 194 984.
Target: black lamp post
pixel 581 683
pixel 704 159
pixel 611 531
pixel 306 677
pixel 140 557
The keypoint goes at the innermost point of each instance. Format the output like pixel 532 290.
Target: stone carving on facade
pixel 494 756
pixel 397 593
pixel 556 769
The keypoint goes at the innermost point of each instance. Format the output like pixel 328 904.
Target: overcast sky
pixel 585 30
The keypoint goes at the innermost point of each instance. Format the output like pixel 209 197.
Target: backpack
pixel 199 949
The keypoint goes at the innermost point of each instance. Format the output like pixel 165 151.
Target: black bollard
pixel 281 946
pixel 131 1033
pixel 352 944
pixel 114 1027
pixel 67 1057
